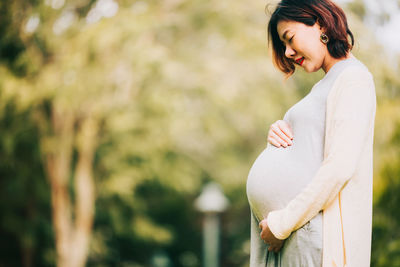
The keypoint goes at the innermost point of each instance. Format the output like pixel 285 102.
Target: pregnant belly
pixel 276 177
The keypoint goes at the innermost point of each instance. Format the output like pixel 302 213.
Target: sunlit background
pixel 114 115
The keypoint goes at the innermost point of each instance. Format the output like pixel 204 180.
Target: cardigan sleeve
pixel 352 107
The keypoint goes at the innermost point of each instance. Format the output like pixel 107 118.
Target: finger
pixel 278 131
pixel 278 247
pixel 262 237
pixel 285 132
pixel 285 128
pixel 279 140
pixel 261 225
pixel 273 141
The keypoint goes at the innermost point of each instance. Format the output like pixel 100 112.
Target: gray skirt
pixel 303 248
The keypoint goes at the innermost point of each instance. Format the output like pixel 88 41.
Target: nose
pixel 289 52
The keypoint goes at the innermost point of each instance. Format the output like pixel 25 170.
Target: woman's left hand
pixel 275 244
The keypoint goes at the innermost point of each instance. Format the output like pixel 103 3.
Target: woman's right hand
pixel 280 134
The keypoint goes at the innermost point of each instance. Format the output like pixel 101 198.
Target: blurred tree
pixel 25 228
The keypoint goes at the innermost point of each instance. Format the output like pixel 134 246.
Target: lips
pixel 300 61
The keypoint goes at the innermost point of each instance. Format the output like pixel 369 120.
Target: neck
pixel 332 61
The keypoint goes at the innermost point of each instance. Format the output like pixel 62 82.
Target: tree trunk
pixel 58 151
pixel 84 190
pixel 72 233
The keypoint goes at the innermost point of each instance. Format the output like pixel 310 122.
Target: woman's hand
pixel 280 134
pixel 275 244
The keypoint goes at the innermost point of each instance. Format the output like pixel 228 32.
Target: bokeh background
pixel 115 114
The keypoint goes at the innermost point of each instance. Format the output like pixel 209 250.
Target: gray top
pixel 279 174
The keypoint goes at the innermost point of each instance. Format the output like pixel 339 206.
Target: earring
pixel 324 38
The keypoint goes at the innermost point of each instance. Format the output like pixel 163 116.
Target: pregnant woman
pixel 310 190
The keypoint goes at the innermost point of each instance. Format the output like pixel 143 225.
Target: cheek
pixel 315 48
pixel 311 44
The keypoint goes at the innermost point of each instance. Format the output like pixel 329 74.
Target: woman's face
pixel 303 45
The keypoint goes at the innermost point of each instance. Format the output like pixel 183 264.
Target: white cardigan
pixel 342 186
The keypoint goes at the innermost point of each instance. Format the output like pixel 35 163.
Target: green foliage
pixel 386 227
pixel 25 218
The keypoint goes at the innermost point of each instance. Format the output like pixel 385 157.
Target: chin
pixel 310 70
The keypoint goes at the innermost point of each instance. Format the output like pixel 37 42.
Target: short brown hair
pixel 325 12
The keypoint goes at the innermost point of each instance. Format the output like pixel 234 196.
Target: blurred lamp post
pixel 211 202
pixel 160 259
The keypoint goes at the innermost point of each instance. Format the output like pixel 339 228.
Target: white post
pixel 211 202
pixel 211 240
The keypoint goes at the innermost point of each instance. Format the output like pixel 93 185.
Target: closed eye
pixel 290 41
